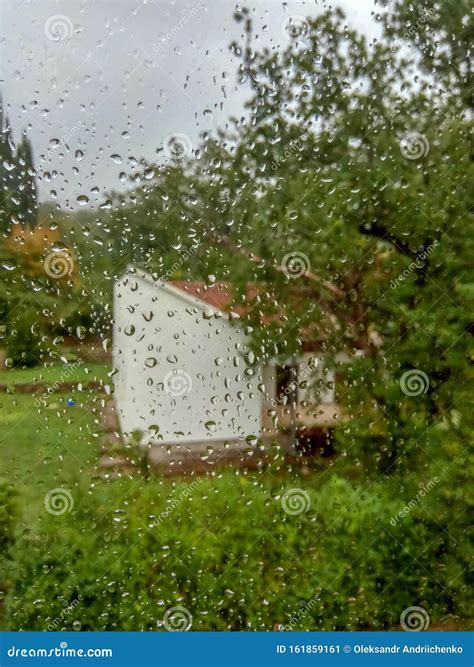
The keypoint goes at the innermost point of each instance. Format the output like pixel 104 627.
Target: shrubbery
pixel 225 549
pixel 7 516
pixel 7 533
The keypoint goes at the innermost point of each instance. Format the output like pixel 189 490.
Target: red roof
pixel 218 295
pixel 221 295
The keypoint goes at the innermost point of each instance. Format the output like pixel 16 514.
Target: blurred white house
pixel 185 373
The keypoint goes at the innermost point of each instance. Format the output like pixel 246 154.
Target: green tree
pixel 7 166
pixel 26 196
pixel 351 171
pixel 359 163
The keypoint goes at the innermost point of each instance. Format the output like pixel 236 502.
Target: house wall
pixel 269 402
pixel 181 373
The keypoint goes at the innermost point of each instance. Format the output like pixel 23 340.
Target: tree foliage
pixel 356 156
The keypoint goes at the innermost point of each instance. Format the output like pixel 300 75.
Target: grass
pixel 60 372
pixel 47 448
pixel 55 445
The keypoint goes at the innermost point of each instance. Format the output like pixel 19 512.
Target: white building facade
pixel 183 372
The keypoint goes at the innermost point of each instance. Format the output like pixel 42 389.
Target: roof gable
pixel 215 297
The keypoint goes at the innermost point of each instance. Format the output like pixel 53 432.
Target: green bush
pixel 24 341
pixel 224 548
pixel 7 533
pixel 7 516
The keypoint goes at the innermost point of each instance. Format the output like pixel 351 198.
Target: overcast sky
pixel 94 79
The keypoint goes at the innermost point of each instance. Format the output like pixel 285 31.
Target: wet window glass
pixel 236 315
